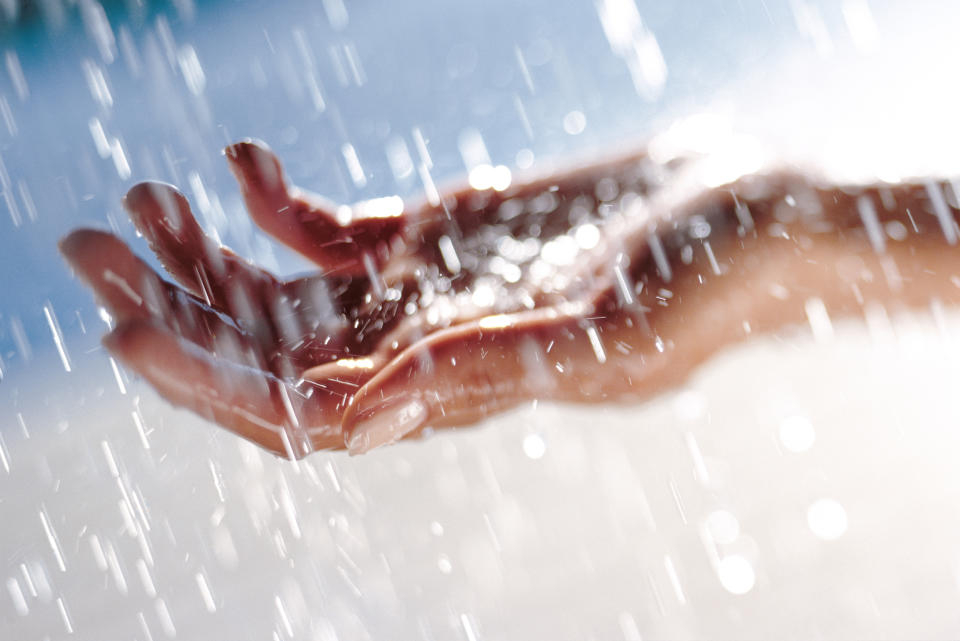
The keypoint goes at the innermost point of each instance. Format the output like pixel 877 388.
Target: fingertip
pixel 246 148
pixel 384 423
pixel 159 210
pixel 129 339
pixel 255 166
pixel 151 194
pixel 387 408
pixel 151 201
pixel 85 248
pixel 73 244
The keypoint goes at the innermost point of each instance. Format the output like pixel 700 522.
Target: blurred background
pixel 798 487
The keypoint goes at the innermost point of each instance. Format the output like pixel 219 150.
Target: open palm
pixel 587 285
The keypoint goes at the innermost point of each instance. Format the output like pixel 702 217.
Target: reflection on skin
pixel 601 283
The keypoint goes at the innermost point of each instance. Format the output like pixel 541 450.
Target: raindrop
pixel 186 9
pixel 896 230
pixel 524 70
pixel 660 257
pixel 524 159
pixel 7 114
pixel 699 465
pixel 534 446
pixel 446 567
pixel 473 149
pixel 468 627
pixel 810 24
pixel 97 83
pixel 561 251
pixel 699 228
pixel 483 296
pixel 64 615
pixel 166 621
pixel 336 13
pixel 940 208
pixel 205 592
pixel 596 344
pixel 398 155
pixel 353 61
pixel 736 574
pixel 421 144
pixel 16 595
pixel 52 539
pixel 689 405
pixel 574 123
pixel 98 29
pixel 489 177
pixel 353 165
pixel 714 265
pixel 4 455
pixel 631 40
pixel 129 51
pixel 587 236
pixel 120 162
pixel 449 254
pixel 723 527
pixel 827 519
pixel 284 618
pixel 146 578
pixel 868 214
pixel 16 75
pixel 819 319
pixel 860 23
pixel 797 433
pixel 674 579
pixel 429 187
pixel 57 335
pixel 191 69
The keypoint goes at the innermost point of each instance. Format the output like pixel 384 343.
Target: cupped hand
pixel 599 283
pixel 278 362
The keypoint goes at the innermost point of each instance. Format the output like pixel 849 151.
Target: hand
pixel 415 323
pixel 278 362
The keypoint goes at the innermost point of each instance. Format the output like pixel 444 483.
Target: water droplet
pixel 723 527
pixel 736 574
pixel 446 567
pixel 827 519
pixel 352 160
pixel 524 159
pixel 534 446
pixel 797 433
pixel 819 319
pixel 631 40
pixel 574 123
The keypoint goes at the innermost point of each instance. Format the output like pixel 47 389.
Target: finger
pixel 252 297
pixel 248 402
pixel 117 276
pixel 214 273
pixel 341 240
pixel 470 371
pixel 131 290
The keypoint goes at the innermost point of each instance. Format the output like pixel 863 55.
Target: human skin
pixel 411 322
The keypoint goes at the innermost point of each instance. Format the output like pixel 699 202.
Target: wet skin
pixel 601 283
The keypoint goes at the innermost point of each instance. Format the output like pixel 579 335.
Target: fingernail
pixel 255 162
pixel 150 203
pixel 386 424
pixel 72 244
pixel 85 249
